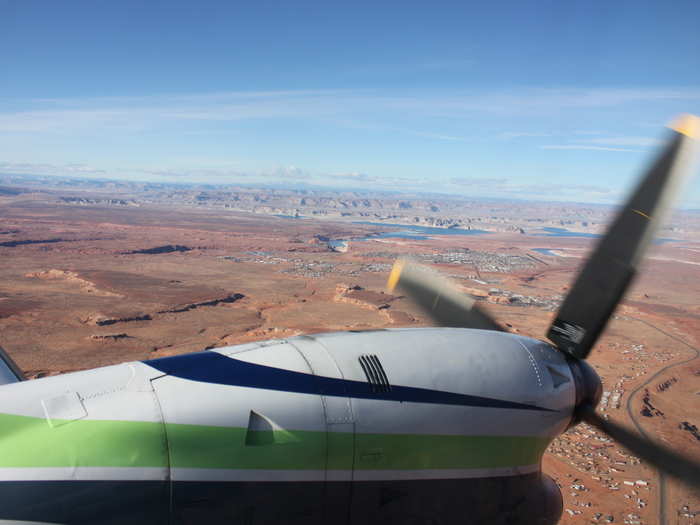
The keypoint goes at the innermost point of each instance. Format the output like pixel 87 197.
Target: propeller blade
pixel 660 456
pixel 609 271
pixel 439 297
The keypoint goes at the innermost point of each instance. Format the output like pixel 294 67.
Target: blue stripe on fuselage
pixel 212 367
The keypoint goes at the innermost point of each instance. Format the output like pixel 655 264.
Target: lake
pixel 418 233
pixel 563 232
pixel 546 251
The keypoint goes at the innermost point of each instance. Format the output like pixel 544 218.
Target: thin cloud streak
pixel 509 187
pixel 585 147
pixel 523 134
pixel 152 111
pixel 70 169
pixel 626 141
pixel 481 182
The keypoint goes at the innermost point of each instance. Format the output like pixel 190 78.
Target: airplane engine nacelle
pixel 439 426
pixel 544 505
pixel 407 426
pixel 552 504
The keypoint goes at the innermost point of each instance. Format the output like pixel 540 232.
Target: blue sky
pixel 537 100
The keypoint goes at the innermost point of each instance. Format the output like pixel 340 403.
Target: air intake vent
pixel 374 371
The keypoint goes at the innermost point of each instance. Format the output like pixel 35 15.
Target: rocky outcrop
pixel 168 248
pixel 693 429
pixel 114 320
pixel 100 320
pixel 110 337
pixel 649 410
pixel 12 244
pixel 214 302
pixel 83 284
pixel 378 301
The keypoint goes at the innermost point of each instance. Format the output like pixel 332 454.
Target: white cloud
pixel 522 134
pixel 287 173
pixel 57 120
pixel 626 141
pixel 410 68
pixel 185 174
pixel 359 177
pixel 488 182
pixel 586 147
pixel 28 168
pixel 52 115
pixel 587 132
pixel 609 144
pixel 436 136
pixel 558 190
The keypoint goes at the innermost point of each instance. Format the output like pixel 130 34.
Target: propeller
pixel 599 287
pixel 610 269
pixel 439 297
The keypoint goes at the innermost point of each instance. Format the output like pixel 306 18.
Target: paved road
pixel 631 412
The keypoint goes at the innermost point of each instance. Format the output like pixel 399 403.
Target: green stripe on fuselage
pixel 419 451
pixel 31 442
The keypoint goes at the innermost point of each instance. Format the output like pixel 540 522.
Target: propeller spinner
pixel 601 284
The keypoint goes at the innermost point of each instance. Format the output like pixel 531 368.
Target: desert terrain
pixel 95 274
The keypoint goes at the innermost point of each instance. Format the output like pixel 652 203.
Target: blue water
pixel 395 235
pixel 662 240
pixel 563 232
pixel 417 233
pixel 545 251
pixel 422 233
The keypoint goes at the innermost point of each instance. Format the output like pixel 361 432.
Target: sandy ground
pixel 82 300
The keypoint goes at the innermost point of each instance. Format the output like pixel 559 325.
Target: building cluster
pixel 581 499
pixel 309 267
pixel 594 453
pixel 481 261
pixel 607 464
pixel 687 515
pixel 639 353
pixel 611 399
pixel 498 295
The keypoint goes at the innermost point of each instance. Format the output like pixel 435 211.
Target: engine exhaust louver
pixel 374 371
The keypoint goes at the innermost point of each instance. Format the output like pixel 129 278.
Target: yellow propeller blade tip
pixel 395 274
pixel 688 125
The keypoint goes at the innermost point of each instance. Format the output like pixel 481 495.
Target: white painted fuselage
pixel 345 427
